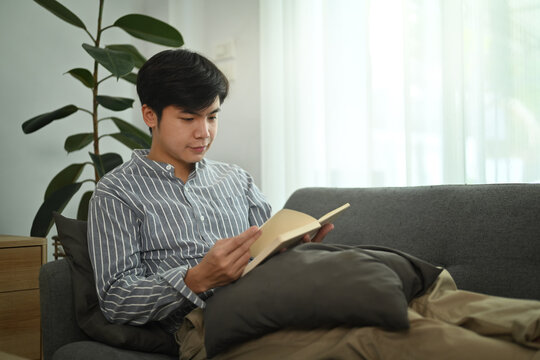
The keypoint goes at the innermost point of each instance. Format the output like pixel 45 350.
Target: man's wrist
pixel 194 281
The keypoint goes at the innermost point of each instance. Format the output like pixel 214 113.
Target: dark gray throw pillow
pixel 148 338
pixel 313 286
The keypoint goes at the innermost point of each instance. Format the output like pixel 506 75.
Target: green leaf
pixel 106 162
pixel 82 212
pixel 62 12
pixel 138 59
pixel 150 29
pixel 67 176
pixel 130 140
pixel 131 77
pixel 83 76
pixel 114 103
pixel 117 62
pixel 78 141
pixel 42 120
pixel 58 200
pixel 126 127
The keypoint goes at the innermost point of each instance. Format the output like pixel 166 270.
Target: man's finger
pixel 240 244
pixel 323 232
pixel 232 243
pixel 243 246
pixel 241 262
pixel 240 255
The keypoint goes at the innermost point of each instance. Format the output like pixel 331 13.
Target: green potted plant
pixel 119 60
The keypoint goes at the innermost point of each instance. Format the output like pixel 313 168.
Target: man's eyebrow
pixel 192 112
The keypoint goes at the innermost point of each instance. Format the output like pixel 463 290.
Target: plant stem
pixel 106 118
pixel 86 111
pixel 105 78
pixel 89 180
pixel 91 37
pixel 95 89
pixel 107 27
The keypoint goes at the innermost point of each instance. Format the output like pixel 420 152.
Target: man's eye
pixel 187 119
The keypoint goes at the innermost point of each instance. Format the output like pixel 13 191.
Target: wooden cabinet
pixel 20 327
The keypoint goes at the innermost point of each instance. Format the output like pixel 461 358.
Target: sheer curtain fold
pixel 398 93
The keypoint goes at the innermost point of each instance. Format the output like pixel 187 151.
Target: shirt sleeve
pixel 259 208
pixel 126 291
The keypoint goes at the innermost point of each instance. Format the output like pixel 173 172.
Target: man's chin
pixel 195 158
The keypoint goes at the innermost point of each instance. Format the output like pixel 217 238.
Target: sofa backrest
pixel 486 236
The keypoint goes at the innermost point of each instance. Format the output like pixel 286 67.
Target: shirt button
pixel 202 218
pixel 168 167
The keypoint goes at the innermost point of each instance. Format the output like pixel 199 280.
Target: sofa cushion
pixel 150 337
pixel 91 350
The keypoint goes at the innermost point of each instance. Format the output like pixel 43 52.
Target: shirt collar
pixel 141 156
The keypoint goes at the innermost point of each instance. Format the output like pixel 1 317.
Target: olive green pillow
pixel 317 285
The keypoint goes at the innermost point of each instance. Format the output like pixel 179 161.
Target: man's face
pixel 182 137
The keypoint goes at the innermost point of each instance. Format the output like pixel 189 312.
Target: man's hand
pixel 319 236
pixel 224 263
pixel 323 231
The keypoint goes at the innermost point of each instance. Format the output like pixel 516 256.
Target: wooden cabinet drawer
pixel 19 268
pixel 20 332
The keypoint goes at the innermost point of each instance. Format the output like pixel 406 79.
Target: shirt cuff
pixel 175 277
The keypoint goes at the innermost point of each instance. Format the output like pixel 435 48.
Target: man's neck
pixel 182 173
pixel 181 170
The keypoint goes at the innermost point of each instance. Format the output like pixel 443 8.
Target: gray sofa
pixel 486 236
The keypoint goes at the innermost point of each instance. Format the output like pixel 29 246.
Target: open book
pixel 285 229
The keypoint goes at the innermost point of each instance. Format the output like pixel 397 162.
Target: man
pixel 168 226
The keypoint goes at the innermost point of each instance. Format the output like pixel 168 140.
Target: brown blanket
pixel 444 323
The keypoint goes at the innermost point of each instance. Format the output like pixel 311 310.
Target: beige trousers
pixel 445 323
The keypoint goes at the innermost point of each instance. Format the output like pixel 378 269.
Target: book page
pixel 283 221
pixel 332 215
pixel 284 229
pixel 282 241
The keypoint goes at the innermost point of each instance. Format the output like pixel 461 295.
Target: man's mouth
pixel 199 149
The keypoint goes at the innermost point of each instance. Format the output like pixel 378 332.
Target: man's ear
pixel 149 116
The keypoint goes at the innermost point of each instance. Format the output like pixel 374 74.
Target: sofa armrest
pixel 58 322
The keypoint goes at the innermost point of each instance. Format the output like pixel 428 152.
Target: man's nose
pixel 202 130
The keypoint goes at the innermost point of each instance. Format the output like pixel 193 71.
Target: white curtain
pixel 398 93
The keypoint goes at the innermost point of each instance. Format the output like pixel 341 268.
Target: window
pixel 399 93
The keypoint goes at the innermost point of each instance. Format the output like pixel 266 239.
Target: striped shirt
pixel 146 228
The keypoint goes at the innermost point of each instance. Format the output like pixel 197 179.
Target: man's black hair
pixel 182 78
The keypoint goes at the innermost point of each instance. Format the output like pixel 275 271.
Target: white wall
pixel 37 48
pixel 217 22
